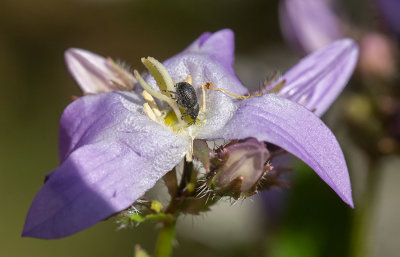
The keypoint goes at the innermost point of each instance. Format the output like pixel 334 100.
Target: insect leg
pixel 173 93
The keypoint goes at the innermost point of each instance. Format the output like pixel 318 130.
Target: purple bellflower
pixel 114 146
pixel 308 25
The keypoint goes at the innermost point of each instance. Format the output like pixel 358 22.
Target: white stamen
pixel 160 96
pixel 189 79
pixel 164 73
pixel 160 74
pixel 150 100
pixel 189 154
pixel 203 104
pixel 150 113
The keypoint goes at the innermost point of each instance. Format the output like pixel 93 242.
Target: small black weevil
pixel 186 97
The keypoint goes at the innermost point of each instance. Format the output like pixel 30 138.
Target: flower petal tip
pixel 289 125
pixel 347 198
pixel 318 79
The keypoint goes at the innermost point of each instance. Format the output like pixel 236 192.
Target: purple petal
pixel 308 25
pixel 284 123
pixel 94 74
pixel 219 45
pixel 202 69
pixel 94 118
pixel 110 158
pixel 318 79
pixel 208 59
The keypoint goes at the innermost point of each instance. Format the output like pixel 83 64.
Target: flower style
pixel 114 146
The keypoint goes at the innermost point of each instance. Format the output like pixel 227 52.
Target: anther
pixel 152 103
pixel 203 96
pixel 150 112
pixel 188 79
pixel 159 95
pixel 277 88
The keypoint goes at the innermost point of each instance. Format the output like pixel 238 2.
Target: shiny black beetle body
pixel 185 96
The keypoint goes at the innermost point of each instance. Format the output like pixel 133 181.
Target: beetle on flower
pixel 126 133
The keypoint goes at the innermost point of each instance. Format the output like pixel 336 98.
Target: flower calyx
pixel 237 168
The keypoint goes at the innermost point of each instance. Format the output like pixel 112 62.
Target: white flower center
pixel 171 118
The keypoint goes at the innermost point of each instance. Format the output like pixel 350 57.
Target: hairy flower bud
pixel 238 168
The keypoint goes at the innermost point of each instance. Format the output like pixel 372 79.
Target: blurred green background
pixel 36 87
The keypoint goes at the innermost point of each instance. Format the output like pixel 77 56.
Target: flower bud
pixel 238 168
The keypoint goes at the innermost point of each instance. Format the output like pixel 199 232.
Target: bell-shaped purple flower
pixel 114 146
pixel 308 25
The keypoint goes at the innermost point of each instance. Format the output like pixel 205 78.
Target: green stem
pixel 165 240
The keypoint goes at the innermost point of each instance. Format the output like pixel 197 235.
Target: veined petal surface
pixel 289 125
pixel 114 116
pixel 219 45
pixel 110 158
pixel 317 80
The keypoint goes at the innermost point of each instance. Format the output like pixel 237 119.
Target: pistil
pixel 164 82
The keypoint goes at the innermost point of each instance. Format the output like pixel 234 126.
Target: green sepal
pixel 138 218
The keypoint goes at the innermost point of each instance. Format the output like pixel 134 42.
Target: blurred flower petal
pixel 308 25
pixel 390 10
pixel 95 74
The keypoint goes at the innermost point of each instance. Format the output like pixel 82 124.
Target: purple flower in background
pixel 308 25
pixel 114 146
pixel 390 10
